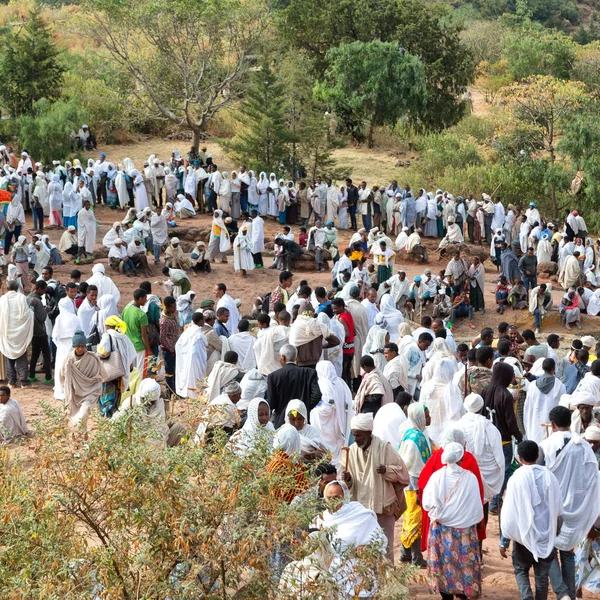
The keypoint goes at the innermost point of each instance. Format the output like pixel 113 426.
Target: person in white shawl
pixel 396 369
pixel 12 418
pixel 273 193
pixel 254 385
pixel 219 242
pixel 224 192
pixel 256 431
pixel 71 205
pixel 16 332
pixel 401 240
pixel 350 525
pixel 262 186
pixel 221 374
pixel 86 228
pixel 268 344
pixel 593 307
pixel 139 185
pixel 570 272
pixel 572 461
pixel 159 231
pixel 452 499
pixel 443 399
pixel 484 442
pixel 242 343
pixel 104 283
pixel 370 303
pixel 453 235
pixel 311 442
pixel 529 516
pixel 544 250
pixel 542 396
pixel 333 354
pixel 387 424
pixel 393 317
pixel 121 185
pixel 42 256
pixel 112 235
pixel 242 252
pixel 440 350
pixel 190 366
pixel 333 202
pixel 334 411
pixel 66 324
pixel 376 340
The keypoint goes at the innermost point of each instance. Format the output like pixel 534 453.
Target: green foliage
pixel 264 141
pixel 423 29
pixel 447 150
pixel 29 68
pixel 531 51
pixel 45 133
pixel 374 82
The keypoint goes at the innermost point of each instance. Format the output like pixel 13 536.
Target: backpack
pixel 60 292
pixel 266 302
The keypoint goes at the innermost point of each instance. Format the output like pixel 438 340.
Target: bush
pixel 447 150
pixel 479 128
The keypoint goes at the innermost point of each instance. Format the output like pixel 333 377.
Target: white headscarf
pixel 287 439
pixel 387 423
pixel 392 316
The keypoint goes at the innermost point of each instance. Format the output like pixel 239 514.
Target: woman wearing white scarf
pixel 112 235
pixel 16 332
pixel 225 193
pixel 253 193
pixel 105 284
pixel 350 526
pixel 544 250
pixel 430 229
pixel 219 242
pixel 121 185
pixel 387 423
pixel 242 252
pixel 189 184
pixel 306 328
pixel 452 499
pixel 333 354
pixel 443 399
pixel 484 442
pixel 273 193
pixel 141 195
pixel 55 198
pixel 257 430
pixel 392 316
pixel 311 440
pixel 15 215
pixel 262 186
pixel 378 340
pixel 440 351
pixel 42 256
pixel 108 308
pixel 590 258
pixel 129 166
pixel 185 308
pixel 254 385
pixel 333 413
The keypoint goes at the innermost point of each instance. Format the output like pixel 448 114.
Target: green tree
pixel 30 67
pixel 264 142
pixel 188 59
pixel 541 106
pixel 372 83
pixel 424 29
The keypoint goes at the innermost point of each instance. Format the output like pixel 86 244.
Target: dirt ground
pixel 499 582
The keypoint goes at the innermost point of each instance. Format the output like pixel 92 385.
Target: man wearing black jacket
pixel 291 382
pixel 352 191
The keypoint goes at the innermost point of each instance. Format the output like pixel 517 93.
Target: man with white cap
pixel 25 162
pixel 484 442
pixel 104 283
pixel 592 436
pixel 376 476
pixel 174 256
pixel 574 465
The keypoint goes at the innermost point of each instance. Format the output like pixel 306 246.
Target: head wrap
pixel 118 324
pixel 79 339
pixel 206 303
pixel 452 434
pixel 233 387
pixel 473 403
pixel 287 439
pixel 453 452
pixel 592 434
pixel 588 341
pixel 362 422
pixel 209 314
pixel 175 240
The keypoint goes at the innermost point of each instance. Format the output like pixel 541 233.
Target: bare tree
pixel 187 58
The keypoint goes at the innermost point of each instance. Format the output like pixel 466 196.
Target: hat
pixel 453 452
pixel 174 240
pixel 233 387
pixel 550 224
pixel 427 271
pixel 592 433
pixel 417 278
pixel 72 228
pixel 238 302
pixel 79 339
pixel 532 204
pixel 206 303
pixel 473 403
pixel 575 213
pixel 588 341
pixel 362 422
pixel 329 223
pixel 102 155
pixel 228 220
pixel 209 314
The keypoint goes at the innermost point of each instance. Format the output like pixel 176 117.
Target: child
pixel 303 237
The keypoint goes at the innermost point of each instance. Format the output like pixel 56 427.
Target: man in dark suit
pixel 291 382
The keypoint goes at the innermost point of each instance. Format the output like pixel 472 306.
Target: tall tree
pixel 189 59
pixel 544 105
pixel 30 67
pixel 372 83
pixel 264 141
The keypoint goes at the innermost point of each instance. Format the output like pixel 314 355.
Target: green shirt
pixel 135 318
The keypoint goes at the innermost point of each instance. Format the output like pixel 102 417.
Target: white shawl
pixel 16 325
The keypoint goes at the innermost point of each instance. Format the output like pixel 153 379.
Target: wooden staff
pixel 497 188
pixel 547 427
pixel 347 449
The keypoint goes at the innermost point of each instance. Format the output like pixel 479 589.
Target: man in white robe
pixel 257 235
pixel 499 215
pixel 573 463
pixel 370 304
pixel 243 344
pixel 532 214
pixel 190 367
pixel 333 202
pixel 222 373
pixel 542 396
pixel 267 347
pixel 226 301
pixel 86 229
pixel 453 235
pixel 104 283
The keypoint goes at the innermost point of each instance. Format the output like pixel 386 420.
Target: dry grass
pixel 372 166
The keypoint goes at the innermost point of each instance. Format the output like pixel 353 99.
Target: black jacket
pixel 292 382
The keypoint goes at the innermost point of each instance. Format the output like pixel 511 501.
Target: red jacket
pixel 435 464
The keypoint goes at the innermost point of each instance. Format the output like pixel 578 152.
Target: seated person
pixel 12 419
pixel 517 298
pixel 442 305
pixel 461 308
pixel 502 291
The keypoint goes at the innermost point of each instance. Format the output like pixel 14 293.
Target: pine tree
pixel 30 67
pixel 264 143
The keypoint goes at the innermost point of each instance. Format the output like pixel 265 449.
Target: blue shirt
pixel 221 329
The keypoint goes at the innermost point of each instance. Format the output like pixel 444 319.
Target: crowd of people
pixel 407 431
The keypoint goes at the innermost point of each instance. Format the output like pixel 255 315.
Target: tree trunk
pixel 196 138
pixel 370 133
